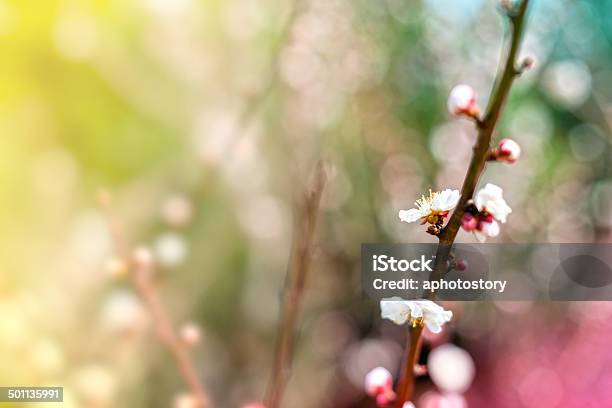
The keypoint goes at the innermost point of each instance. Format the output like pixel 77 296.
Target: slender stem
pixel 299 265
pixel 405 387
pixel 142 276
pixel 476 167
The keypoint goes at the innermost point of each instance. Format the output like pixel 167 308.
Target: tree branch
pixel 299 265
pixel 405 387
pixel 447 236
pixel 142 278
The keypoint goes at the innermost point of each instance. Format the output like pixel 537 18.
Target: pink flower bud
pixel 528 62
pixel 385 398
pixel 462 101
pixel 254 405
pixel 469 222
pixel 508 151
pixel 408 404
pixel 378 381
pixel 461 265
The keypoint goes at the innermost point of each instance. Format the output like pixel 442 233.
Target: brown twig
pixel 405 387
pixel 299 265
pixel 481 148
pixel 142 277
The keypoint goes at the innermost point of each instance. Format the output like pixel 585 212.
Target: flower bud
pixel 462 101
pixel 469 222
pixel 254 405
pixel 378 381
pixel 461 265
pixel 528 62
pixel 385 398
pixel 408 404
pixel 508 151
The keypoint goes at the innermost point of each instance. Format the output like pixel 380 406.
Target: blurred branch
pixel 486 126
pixel 142 267
pixel 299 265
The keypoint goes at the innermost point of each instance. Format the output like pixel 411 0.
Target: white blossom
pixel 400 311
pixel 487 230
pixel 431 209
pixel 490 200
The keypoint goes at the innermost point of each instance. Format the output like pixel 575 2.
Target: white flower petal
pixel 490 229
pixel 411 215
pixel 445 200
pixel 415 310
pixel 395 309
pixel 490 199
pixel 400 311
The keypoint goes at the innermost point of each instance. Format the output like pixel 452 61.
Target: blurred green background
pixel 204 120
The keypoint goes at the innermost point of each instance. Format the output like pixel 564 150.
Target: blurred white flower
pixel 508 151
pixel 419 311
pixel 568 83
pixel 451 368
pixel 408 404
pixel 462 101
pixel 490 200
pixel 123 313
pixel 431 209
pixel 190 334
pixel 185 401
pixel 170 249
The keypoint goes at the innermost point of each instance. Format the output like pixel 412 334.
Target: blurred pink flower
pixel 377 381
